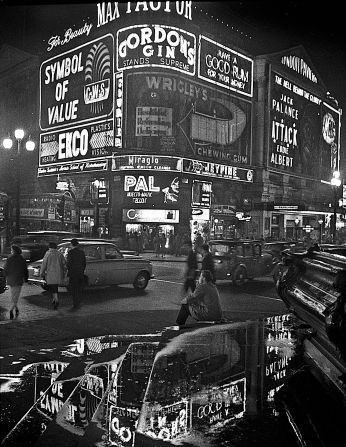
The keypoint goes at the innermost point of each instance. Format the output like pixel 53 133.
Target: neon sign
pixel 110 11
pixel 298 64
pixel 77 86
pixel 156 46
pixel 225 67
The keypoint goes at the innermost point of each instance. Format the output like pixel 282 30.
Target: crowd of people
pixel 159 242
pixel 55 271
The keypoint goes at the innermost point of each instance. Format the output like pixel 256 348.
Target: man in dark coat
pixel 16 273
pixel 191 269
pixel 76 263
pixel 207 261
pixel 203 304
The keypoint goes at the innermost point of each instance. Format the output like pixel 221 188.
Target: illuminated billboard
pixel 304 134
pixel 77 86
pixel 225 67
pixel 174 114
pixel 156 46
pixel 146 162
pixel 151 189
pixel 85 142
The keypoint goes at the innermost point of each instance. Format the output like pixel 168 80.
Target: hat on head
pixel 17 250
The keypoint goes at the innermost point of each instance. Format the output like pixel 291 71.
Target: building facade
pixel 153 124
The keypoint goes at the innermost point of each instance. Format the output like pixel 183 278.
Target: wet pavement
pixel 206 385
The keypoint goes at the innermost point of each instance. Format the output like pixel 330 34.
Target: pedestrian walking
pixel 198 241
pixel 191 269
pixel 170 242
pixel 178 242
pixel 16 273
pixel 156 242
pixel 207 261
pixel 203 304
pixel 76 263
pixel 145 238
pixel 53 270
pixel 162 243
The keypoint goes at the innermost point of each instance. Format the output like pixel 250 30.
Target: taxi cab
pixel 239 260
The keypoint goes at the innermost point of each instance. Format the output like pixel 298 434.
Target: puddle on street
pixel 208 385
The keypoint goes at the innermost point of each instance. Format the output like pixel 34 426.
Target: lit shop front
pixel 170 193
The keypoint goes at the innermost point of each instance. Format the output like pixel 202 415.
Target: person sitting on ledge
pixel 203 304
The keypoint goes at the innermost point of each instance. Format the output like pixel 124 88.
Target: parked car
pixel 239 260
pixel 106 266
pixel 34 244
pixel 113 241
pixel 275 248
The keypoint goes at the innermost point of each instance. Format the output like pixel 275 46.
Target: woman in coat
pixel 53 270
pixel 16 273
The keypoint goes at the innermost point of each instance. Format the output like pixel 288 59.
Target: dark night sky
pixel 275 25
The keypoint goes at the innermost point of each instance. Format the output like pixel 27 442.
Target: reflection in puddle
pixel 209 385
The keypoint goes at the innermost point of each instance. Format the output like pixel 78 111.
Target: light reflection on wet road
pixel 180 386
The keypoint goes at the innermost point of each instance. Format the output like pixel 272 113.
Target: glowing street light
pixel 30 146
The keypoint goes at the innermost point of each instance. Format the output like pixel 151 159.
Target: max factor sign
pixel 110 11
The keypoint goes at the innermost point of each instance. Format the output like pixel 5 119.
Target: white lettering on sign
pixel 64 68
pixel 140 183
pixel 285 106
pixel 110 11
pixel 177 85
pixel 156 45
pixel 145 36
pixel 284 133
pixel 63 112
pixel 70 34
pixel 97 91
pixel 32 212
pixel 52 400
pixel 300 66
pixel 73 144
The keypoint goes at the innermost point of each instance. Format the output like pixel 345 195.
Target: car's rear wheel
pixel 141 281
pixel 239 276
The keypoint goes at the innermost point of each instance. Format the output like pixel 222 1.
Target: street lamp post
pixel 320 222
pixel 335 182
pixel 296 224
pixel 30 146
